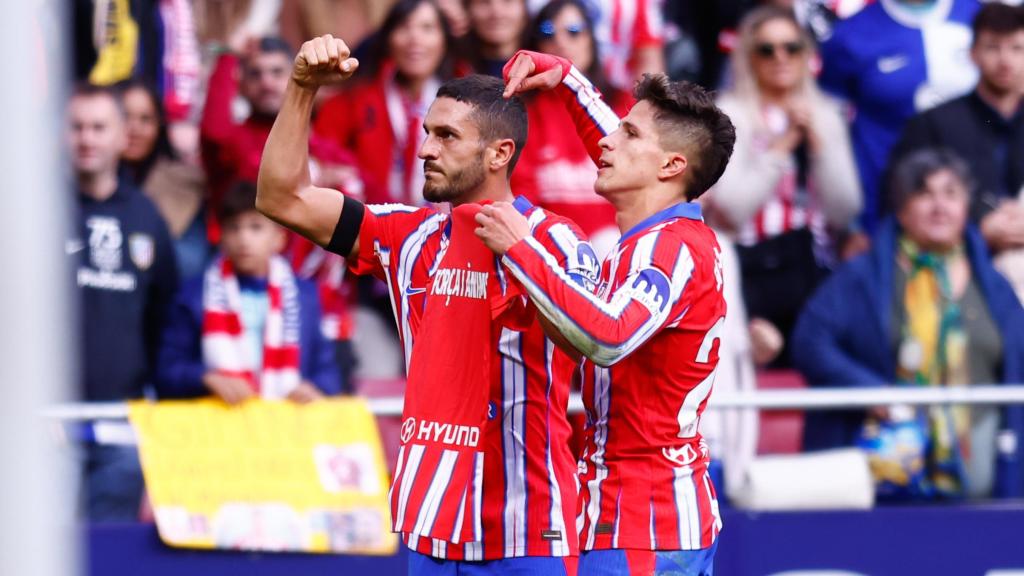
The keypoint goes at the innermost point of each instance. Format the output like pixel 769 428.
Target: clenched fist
pixel 322 61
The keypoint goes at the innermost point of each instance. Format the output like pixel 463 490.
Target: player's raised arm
pixel 604 332
pixel 593 118
pixel 285 192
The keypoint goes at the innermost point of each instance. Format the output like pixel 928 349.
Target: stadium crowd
pixel 872 215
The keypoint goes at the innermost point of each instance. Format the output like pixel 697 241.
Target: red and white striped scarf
pixel 223 345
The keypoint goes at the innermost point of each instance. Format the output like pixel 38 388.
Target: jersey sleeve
pixel 606 331
pixel 381 234
pixel 591 115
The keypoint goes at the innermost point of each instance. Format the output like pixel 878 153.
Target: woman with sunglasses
pixel 555 170
pixel 792 178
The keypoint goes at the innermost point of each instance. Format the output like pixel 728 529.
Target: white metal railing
pixel 797 399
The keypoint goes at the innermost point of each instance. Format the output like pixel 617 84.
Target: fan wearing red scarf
pixel 485 482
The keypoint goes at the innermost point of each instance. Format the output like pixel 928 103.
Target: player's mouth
pixel 602 164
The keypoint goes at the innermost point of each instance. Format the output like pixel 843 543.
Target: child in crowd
pixel 247 327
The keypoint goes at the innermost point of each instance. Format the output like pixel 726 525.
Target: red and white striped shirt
pixel 651 332
pixel 529 488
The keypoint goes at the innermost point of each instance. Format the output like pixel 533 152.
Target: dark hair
pixel 162 147
pixel 686 117
pixel 550 11
pixel 997 18
pixel 87 90
pixel 496 116
pixel 239 199
pixel 398 15
pixel 274 45
pixel 470 47
pixel 911 173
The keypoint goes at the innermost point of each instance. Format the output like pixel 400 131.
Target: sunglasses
pixel 548 30
pixel 768 50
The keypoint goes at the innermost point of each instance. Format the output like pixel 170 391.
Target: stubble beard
pixel 458 185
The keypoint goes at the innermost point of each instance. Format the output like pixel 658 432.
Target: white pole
pixel 36 494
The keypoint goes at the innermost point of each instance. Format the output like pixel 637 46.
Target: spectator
pixel 556 171
pixel 924 308
pixel 629 35
pixel 248 326
pixel 496 31
pixel 232 151
pixel 792 175
pixel 923 62
pixel 125 275
pixel 176 187
pixel 381 119
pixel 986 127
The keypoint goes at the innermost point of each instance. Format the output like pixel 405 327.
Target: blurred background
pixel 868 414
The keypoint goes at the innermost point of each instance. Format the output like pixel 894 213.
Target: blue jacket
pixel 842 339
pixel 180 365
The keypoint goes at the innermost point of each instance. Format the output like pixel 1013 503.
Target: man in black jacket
pixel 986 127
pixel 125 275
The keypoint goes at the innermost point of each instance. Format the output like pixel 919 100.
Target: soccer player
pixel 446 287
pixel 650 333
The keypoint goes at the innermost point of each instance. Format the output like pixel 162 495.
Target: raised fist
pixel 322 61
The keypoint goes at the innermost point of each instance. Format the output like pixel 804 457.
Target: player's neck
pixel 496 191
pixel 635 207
pixel 100 186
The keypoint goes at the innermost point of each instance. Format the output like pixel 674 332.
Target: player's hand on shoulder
pixel 528 70
pixel 322 61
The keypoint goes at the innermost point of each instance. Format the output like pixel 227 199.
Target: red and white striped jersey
pixel 652 333
pixel 528 501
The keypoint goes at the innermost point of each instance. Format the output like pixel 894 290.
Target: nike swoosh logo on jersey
pixel 410 291
pixel 890 64
pixel 74 246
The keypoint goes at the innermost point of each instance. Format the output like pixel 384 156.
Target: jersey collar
pixel 682 210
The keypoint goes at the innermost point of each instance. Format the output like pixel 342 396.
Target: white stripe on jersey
pixel 438 485
pixel 599 111
pixel 687 512
pixel 413 464
pixel 385 209
pixel 460 518
pixel 513 384
pixel 559 547
pixel 478 483
pixel 408 255
pixel 602 389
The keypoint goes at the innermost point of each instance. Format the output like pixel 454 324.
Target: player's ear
pixel 672 165
pixel 499 153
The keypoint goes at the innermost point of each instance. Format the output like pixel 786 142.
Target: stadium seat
pixel 780 431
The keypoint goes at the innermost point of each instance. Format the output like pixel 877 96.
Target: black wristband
pixel 347 231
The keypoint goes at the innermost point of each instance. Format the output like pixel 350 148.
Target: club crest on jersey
pixel 652 289
pixel 141 250
pixel 408 429
pixel 460 283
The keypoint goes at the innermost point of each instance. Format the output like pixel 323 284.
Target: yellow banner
pixel 272 476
